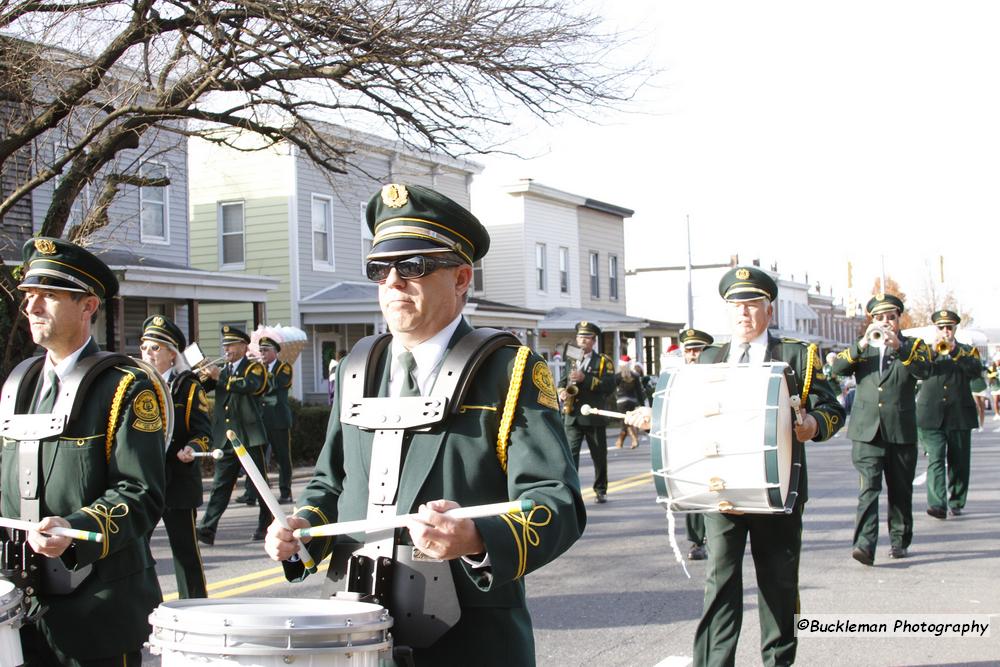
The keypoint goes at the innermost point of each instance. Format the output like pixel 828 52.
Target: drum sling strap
pixel 418 591
pixel 17 561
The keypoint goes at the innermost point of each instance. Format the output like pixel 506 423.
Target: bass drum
pixel 721 439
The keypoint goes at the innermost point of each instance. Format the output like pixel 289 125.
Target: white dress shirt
pixel 428 355
pixel 758 350
pixel 62 369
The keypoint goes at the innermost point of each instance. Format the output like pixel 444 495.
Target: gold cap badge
pixel 690 332
pixel 45 246
pixel 742 274
pixel 943 313
pixel 225 329
pixel 394 195
pixel 157 321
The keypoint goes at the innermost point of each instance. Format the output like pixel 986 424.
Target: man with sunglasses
pixel 503 441
pixel 946 415
pixel 883 426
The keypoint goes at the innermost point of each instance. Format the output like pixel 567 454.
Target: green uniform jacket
pixel 237 404
pixel 105 474
pixel 596 389
pixel 819 393
pixel 274 404
pixel 884 403
pixel 192 426
pixel 467 459
pixel 944 400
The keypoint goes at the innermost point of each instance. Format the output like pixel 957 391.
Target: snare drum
pixel 722 439
pixel 11 615
pixel 271 632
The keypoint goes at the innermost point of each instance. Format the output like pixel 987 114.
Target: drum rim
pixel 10 601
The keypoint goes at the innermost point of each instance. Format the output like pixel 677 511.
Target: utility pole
pixel 690 296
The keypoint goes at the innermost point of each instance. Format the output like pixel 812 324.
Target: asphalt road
pixel 617 597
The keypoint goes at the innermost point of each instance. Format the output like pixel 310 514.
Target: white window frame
pixel 595 274
pixel 243 208
pixel 563 270
pixel 367 239
pixel 613 282
pixel 165 203
pixel 319 264
pixel 541 266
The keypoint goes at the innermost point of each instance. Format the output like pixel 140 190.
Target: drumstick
pixel 215 454
pixel 587 410
pixel 265 494
pixel 398 521
pixel 58 531
pixel 797 406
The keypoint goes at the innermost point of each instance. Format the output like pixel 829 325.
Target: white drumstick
pixel 215 454
pixel 587 410
pixel 398 521
pixel 58 531
pixel 797 406
pixel 265 494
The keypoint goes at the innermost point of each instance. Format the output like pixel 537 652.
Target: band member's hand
pixel 891 339
pixel 641 417
pixel 442 537
pixel 279 543
pixel 186 455
pixel 49 545
pixel 576 376
pixel 807 430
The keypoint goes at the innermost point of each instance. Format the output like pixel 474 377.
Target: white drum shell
pixel 729 424
pixel 271 632
pixel 11 615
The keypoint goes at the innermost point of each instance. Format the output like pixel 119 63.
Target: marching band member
pixel 161 339
pixel 104 472
pixel 946 415
pixel 694 342
pixel 886 366
pixel 775 539
pixel 502 442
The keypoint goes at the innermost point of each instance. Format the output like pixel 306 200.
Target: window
pixel 613 277
pixel 564 270
pixel 232 244
pixel 154 223
pixel 540 266
pixel 322 231
pixel 366 238
pixel 478 282
pixel 595 276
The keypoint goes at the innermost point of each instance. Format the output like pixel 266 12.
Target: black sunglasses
pixel 408 268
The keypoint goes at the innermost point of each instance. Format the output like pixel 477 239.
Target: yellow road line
pixel 267 578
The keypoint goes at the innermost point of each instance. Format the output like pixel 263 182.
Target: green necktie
pixel 745 357
pixel 48 399
pixel 409 366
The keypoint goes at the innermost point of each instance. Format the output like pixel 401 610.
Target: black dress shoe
pixel 897 552
pixel 862 556
pixel 286 500
pixel 602 498
pixel 697 552
pixel 956 511
pixel 258 536
pixel 206 536
pixel 937 512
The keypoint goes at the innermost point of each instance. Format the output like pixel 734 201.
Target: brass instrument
pixel 197 360
pixel 876 338
pixel 573 356
pixel 943 347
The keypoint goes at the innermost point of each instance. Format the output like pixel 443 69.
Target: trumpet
pixel 943 347
pixel 876 338
pixel 199 363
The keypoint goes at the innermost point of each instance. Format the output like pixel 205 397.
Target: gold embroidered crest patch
pixel 147 412
pixel 45 246
pixel 541 376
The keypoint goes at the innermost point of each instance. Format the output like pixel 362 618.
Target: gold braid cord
pixel 510 404
pixel 187 408
pixel 116 407
pixel 105 519
pixel 523 528
pixel 915 352
pixel 810 367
